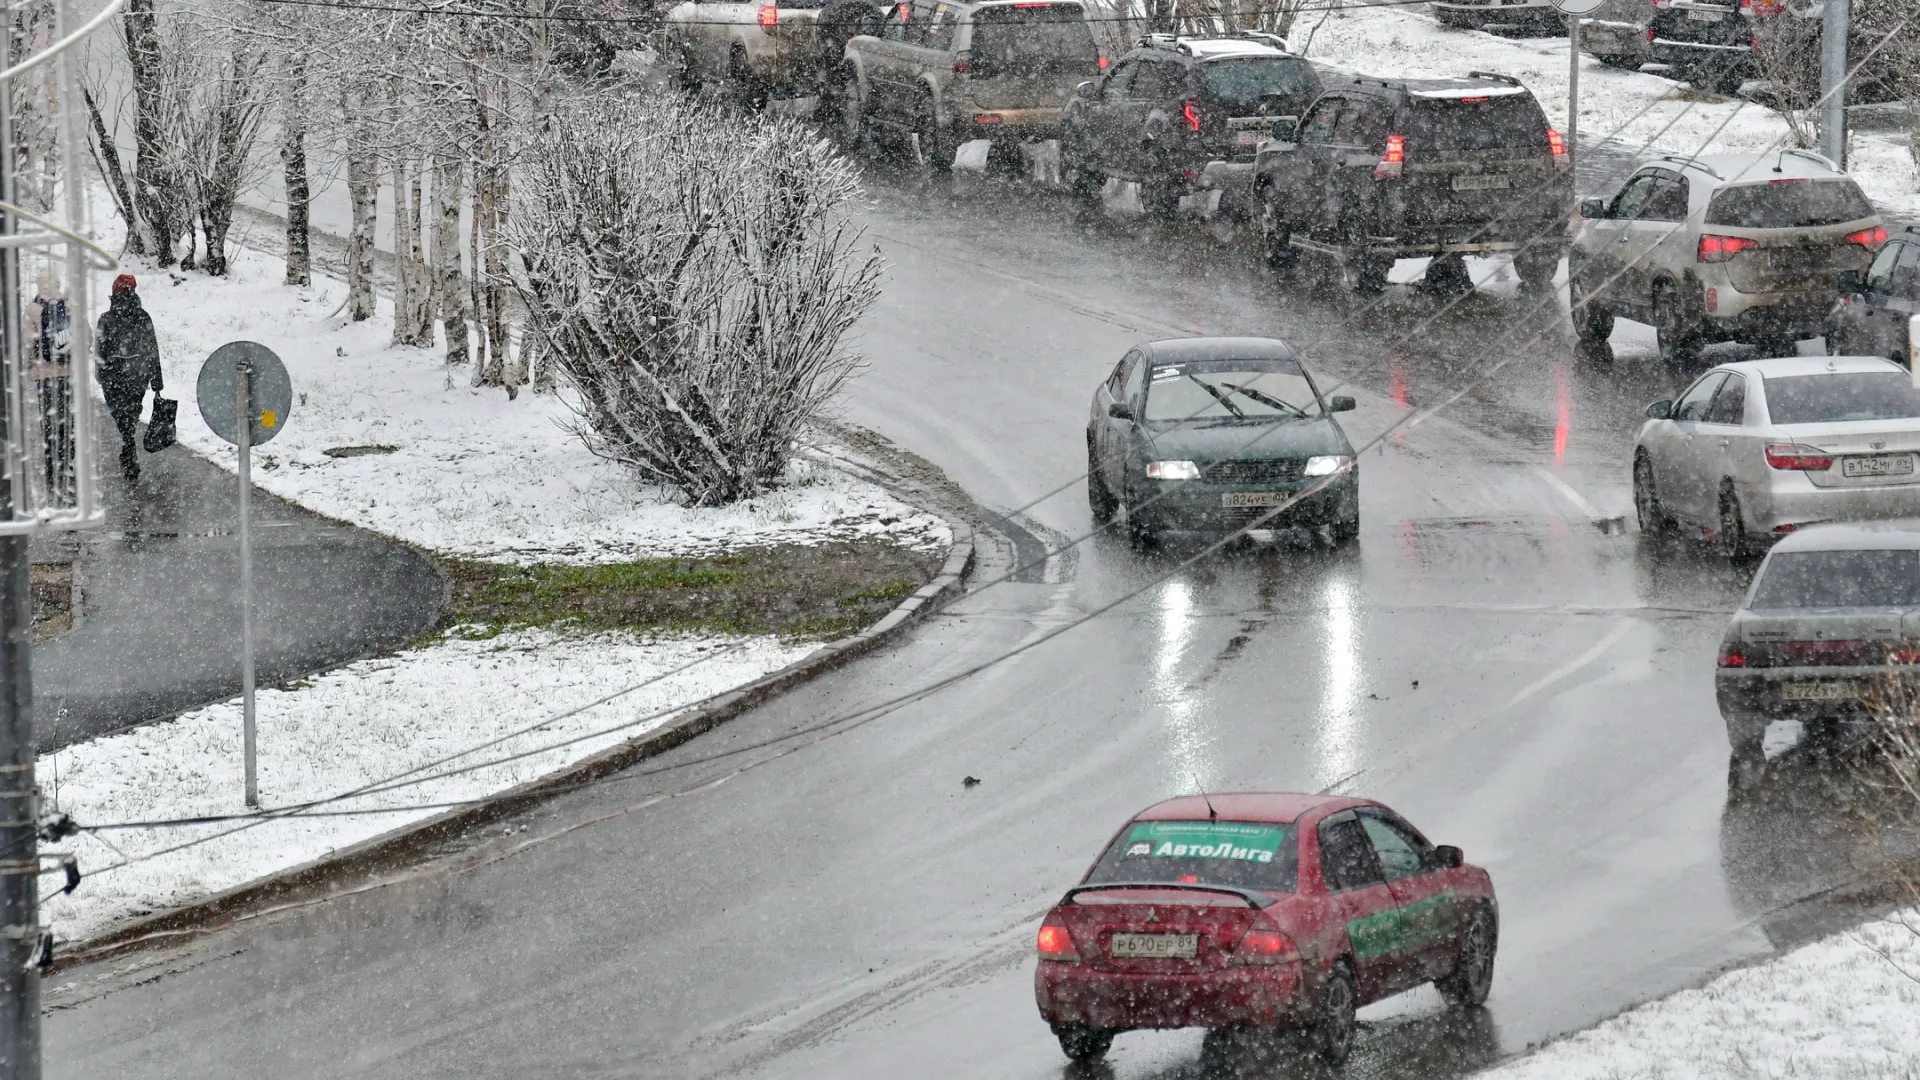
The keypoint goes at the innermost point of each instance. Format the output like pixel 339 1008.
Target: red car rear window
pixel 1244 854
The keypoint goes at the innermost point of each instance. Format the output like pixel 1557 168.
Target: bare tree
pixel 294 103
pixel 1787 52
pixel 156 193
pixel 1890 30
pixel 694 276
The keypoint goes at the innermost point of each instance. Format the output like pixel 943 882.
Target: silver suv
pixel 1723 247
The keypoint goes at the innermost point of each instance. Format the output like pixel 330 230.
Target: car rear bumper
pixel 1792 499
pixel 1734 315
pixel 1078 995
pixel 1010 124
pixel 1752 698
pixel 1196 506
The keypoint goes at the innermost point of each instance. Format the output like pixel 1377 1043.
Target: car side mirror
pixel 1593 208
pixel 1341 403
pixel 1089 90
pixel 1119 411
pixel 1285 128
pixel 1660 410
pixel 1850 282
pixel 1449 856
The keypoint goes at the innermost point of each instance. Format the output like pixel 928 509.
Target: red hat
pixel 123 284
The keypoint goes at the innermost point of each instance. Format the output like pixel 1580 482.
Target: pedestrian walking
pixel 129 366
pixel 50 366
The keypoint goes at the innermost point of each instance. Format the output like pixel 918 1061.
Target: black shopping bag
pixel 160 429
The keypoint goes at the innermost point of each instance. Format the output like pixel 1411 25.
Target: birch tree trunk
pixel 512 368
pixel 363 190
pixel 447 175
pixel 154 192
pixel 293 163
pixel 402 277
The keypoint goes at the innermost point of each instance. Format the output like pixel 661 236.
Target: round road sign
pixel 1576 7
pixel 272 391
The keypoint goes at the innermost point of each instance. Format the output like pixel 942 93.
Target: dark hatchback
pixel 1216 434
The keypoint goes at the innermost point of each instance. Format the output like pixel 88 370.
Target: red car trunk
pixel 1139 916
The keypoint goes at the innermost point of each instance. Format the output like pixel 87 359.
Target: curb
pixel 371 854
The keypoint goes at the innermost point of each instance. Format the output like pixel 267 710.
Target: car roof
pixel 1279 807
pixel 1224 48
pixel 1187 350
pixel 1895 534
pixel 1476 85
pixel 1780 367
pixel 1755 168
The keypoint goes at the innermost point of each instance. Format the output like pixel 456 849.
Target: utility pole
pixel 1836 22
pixel 19 800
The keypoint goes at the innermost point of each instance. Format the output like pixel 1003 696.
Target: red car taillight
pixel 1394 161
pixel 1718 249
pixel 1869 238
pixel 961 67
pixel 1762 7
pixel 1265 947
pixel 1798 456
pixel 1557 144
pixel 1054 943
pixel 1190 114
pixel 769 18
pixel 1104 63
pixel 1656 3
pixel 1907 655
pixel 1733 656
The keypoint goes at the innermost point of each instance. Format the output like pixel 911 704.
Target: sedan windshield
pixel 1840 579
pixel 1243 854
pixel 1230 390
pixel 1830 399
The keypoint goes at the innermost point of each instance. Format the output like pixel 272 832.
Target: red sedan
pixel 1258 912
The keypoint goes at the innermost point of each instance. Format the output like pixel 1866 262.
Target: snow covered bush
pixel 693 274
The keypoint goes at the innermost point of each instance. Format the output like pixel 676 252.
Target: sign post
pixel 1573 9
pixel 244 396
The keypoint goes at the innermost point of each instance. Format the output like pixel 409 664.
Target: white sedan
pixel 1755 449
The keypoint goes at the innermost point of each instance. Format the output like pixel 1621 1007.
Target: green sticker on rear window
pixel 1205 840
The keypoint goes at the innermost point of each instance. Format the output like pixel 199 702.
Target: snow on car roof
pixel 1894 535
pixel 1216 49
pixel 1279 807
pixel 1757 168
pixel 1181 350
pixel 1473 90
pixel 1781 367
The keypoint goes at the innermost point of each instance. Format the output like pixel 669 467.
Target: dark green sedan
pixel 1211 434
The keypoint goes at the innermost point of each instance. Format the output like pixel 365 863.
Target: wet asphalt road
pixel 832 901
pixel 159 626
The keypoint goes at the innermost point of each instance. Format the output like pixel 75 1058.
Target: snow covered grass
pixel 1406 41
pixel 349 729
pixel 469 473
pixel 1847 1006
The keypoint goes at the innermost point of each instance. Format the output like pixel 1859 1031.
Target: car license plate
pixel 1154 946
pixel 1877 465
pixel 1237 500
pixel 1481 183
pixel 1706 16
pixel 1819 691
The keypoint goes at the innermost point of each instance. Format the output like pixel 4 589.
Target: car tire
pixel 1083 181
pixel 1363 273
pixel 1083 1044
pixel 1678 338
pixel 753 92
pixel 689 79
pixel 1276 238
pixel 1345 531
pixel 1535 268
pixel 1746 759
pixel 1471 979
pixel 937 147
pixel 1646 498
pixel 1100 498
pixel 1447 276
pixel 851 129
pixel 1331 1034
pixel 1592 324
pixel 1160 199
pixel 1731 539
pixel 1140 534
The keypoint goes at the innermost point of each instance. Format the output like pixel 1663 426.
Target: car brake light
pixel 1713 301
pixel 988 118
pixel 1557 145
pixel 1473 100
pixel 1104 63
pixel 1656 3
pixel 1718 249
pixel 1394 161
pixel 961 67
pixel 1869 238
pixel 1265 947
pixel 1732 656
pixel 769 18
pixel 1055 943
pixel 1798 456
pixel 1904 656
pixel 1761 7
pixel 1190 114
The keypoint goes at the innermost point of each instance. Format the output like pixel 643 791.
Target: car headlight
pixel 1325 464
pixel 1172 470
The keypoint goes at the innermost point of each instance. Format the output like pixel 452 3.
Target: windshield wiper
pixel 1264 399
pixel 1220 397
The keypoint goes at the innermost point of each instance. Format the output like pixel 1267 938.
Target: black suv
pixel 1174 105
pixel 1876 307
pixel 1385 169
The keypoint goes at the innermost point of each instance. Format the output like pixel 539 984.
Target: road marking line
pixel 1578 500
pixel 1576 664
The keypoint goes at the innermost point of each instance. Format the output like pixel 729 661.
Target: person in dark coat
pixel 129 366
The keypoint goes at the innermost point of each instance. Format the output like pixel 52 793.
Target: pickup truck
pixel 940 73
pixel 762 49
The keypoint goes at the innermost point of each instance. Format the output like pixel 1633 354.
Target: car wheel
pixel 1732 536
pixel 1535 268
pixel 1160 199
pixel 1447 276
pixel 689 78
pixel 1679 339
pixel 1331 1035
pixel 1083 181
pixel 1345 531
pixel 1592 324
pixel 1747 758
pixel 937 147
pixel 852 126
pixel 1100 498
pixel 1646 499
pixel 1363 273
pixel 1083 1043
pixel 753 92
pixel 1276 239
pixel 1472 976
pixel 1139 533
